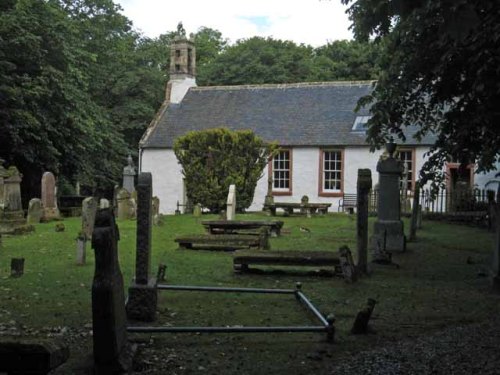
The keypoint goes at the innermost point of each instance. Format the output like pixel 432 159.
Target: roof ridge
pixel 283 85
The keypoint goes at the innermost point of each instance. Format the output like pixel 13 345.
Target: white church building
pixel 321 137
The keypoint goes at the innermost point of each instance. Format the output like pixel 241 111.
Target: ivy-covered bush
pixel 213 159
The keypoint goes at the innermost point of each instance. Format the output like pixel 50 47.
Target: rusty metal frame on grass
pixel 325 326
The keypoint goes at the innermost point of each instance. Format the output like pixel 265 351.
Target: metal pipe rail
pixel 327 323
pixel 224 289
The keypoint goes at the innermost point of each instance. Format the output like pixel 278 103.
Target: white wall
pixel 179 88
pixel 167 177
pixel 168 185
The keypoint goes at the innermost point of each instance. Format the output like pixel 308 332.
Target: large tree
pixel 440 73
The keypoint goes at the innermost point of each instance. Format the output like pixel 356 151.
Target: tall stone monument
pixel 111 349
pixel 11 210
pixel 231 203
pixel 123 204
pixel 364 185
pixel 388 230
pixel 129 175
pixel 496 249
pixel 49 202
pixel 142 295
pixel 269 199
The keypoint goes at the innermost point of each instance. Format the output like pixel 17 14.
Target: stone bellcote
pixel 182 69
pixel 182 58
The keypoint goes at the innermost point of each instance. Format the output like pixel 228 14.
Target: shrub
pixel 213 159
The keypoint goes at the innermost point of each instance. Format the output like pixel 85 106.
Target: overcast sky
pixel 313 22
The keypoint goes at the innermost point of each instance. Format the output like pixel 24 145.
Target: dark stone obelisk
pixel 112 353
pixel 364 185
pixel 142 297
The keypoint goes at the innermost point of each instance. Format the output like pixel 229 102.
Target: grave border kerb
pixel 326 323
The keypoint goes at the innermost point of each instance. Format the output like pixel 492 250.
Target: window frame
pixel 413 165
pixel 282 191
pixel 321 191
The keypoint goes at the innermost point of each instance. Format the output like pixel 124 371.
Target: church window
pixel 281 167
pixel 331 172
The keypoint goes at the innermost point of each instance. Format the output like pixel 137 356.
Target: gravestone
pixel 89 209
pixel 197 210
pixel 123 204
pixel 388 228
pixel 142 297
pixel 155 206
pixel 34 211
pixel 49 202
pixel 496 249
pixel 231 203
pixel 129 175
pixel 269 199
pixel 364 185
pixel 11 210
pixel 81 250
pixel 103 203
pixel 110 346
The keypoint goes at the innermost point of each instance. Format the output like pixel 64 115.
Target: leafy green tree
pixel 259 60
pixel 216 158
pixel 439 72
pixel 346 60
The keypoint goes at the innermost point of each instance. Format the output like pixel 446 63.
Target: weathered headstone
pixel 122 200
pixel 49 202
pixel 231 203
pixel 16 267
pixel 111 350
pixel 103 203
pixel 360 325
pixel 11 210
pixel 388 227
pixel 89 209
pixel 35 211
pixel 364 184
pixel 269 199
pixel 142 297
pixel 129 175
pixel 347 264
pixel 155 206
pixel 81 250
pixel 197 210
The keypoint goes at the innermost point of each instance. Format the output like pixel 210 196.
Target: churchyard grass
pixel 440 283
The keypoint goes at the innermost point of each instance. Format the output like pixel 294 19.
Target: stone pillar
pixel 415 213
pixel 111 350
pixel 364 185
pixel 142 298
pixel 231 203
pixel 129 175
pixel 11 211
pixel 89 209
pixel 496 249
pixel 388 229
pixel 50 210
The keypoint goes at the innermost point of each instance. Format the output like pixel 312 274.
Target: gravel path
pixel 471 349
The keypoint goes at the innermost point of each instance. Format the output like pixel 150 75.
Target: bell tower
pixel 182 68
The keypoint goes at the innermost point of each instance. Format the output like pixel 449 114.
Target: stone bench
pixel 349 202
pixel 22 356
pixel 242 227
pixel 304 208
pixel 228 242
pixel 339 262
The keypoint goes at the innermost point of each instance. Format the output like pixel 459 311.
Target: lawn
pixel 439 283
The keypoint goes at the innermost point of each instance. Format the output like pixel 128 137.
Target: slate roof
pixel 304 114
